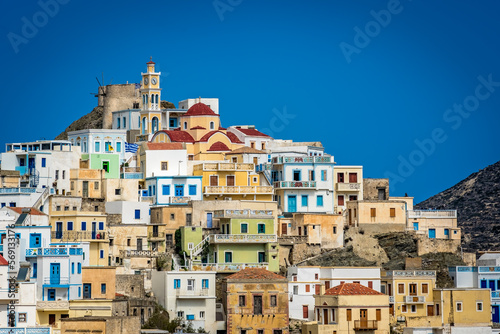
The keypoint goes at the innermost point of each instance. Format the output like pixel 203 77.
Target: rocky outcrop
pixel 92 120
pixel 477 200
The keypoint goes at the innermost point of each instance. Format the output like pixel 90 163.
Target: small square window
pixel 479 306
pixel 103 288
pixel 58 208
pixel 164 165
pixel 118 191
pixel 459 306
pixel 22 317
pixel 172 216
pixel 273 301
pixel 241 301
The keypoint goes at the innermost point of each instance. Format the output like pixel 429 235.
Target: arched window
pixel 212 125
pixel 185 125
pixel 154 125
pixel 146 104
pixel 144 125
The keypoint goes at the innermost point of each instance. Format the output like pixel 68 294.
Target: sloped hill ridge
pixel 92 120
pixel 477 200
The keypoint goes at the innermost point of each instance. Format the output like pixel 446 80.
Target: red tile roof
pixel 255 273
pixel 351 289
pixel 33 211
pixel 219 146
pixel 165 146
pixel 198 128
pixel 207 136
pixel 221 128
pixel 178 136
pixel 3 261
pixel 234 138
pixel 253 132
pixel 200 109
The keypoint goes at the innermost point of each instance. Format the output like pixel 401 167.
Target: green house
pixel 110 162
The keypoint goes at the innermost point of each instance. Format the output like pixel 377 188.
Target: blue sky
pixel 372 80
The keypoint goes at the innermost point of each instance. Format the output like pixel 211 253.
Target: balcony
pixel 414 299
pixel 228 267
pixel 294 184
pixel 53 251
pixel 348 186
pixel 246 238
pixel 191 293
pixel 224 166
pixel 54 305
pixel 243 190
pixel 148 199
pixel 79 235
pixel 27 330
pixel 411 273
pixel 246 213
pixel 179 199
pixel 18 190
pixel 292 239
pixel 155 236
pixel 56 280
pixel 141 253
pixel 306 160
pixel 495 294
pixel 365 325
pixel 432 213
pixel 133 176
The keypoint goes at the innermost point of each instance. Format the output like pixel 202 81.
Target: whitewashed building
pixel 305 282
pixel 250 136
pixel 131 212
pixel 100 141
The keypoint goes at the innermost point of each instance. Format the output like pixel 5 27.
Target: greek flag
pixel 131 148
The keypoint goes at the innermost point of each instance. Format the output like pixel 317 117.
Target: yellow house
pixel 256 302
pixel 458 307
pixel 128 241
pixel 435 224
pixel 228 180
pixel 102 325
pixel 349 308
pixel 411 293
pixel 348 185
pixel 76 226
pixel 377 216
pixel 87 183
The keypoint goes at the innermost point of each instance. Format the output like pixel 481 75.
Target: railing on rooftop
pixel 432 213
pixel 224 166
pixel 323 159
pixel 295 184
pixel 132 176
pixel 228 266
pixel 78 235
pixel 245 213
pixel 27 330
pixel 411 273
pixel 248 238
pixel 238 190
pixel 18 190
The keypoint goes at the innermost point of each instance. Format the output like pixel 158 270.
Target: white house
pixel 189 295
pixel 100 141
pixel 305 282
pixel 250 136
pixel 303 183
pixel 132 212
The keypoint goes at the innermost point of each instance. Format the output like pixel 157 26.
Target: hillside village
pixel 162 220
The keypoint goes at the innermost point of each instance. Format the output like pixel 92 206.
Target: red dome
pixel 200 109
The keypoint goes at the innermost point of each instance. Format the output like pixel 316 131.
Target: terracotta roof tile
pixel 208 135
pixel 178 136
pixel 219 146
pixel 33 211
pixel 198 128
pixel 221 128
pixel 234 138
pixel 351 289
pixel 246 149
pixel 165 146
pixel 253 132
pixel 200 109
pixel 255 273
pixel 3 261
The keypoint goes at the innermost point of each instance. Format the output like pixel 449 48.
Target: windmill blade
pixel 101 87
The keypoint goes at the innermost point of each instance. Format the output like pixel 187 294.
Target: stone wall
pixel 426 245
pixel 371 186
pixel 116 97
pixel 130 285
pixel 114 219
pixel 90 204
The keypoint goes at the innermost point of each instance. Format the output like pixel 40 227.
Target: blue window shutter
pixel 35 267
pixel 72 267
pixel 192 189
pixel 79 268
pixel 137 214
pixel 101 226
pixel 84 226
pixel 44 162
pixel 304 200
pixel 70 226
pixel 101 255
pixel 319 200
pixel 166 189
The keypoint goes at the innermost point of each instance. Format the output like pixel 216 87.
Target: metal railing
pixel 414 299
pixel 295 184
pixel 228 266
pixel 365 324
pixel 53 251
pixel 432 213
pixel 56 280
pixel 323 159
pixel 238 190
pixel 154 235
pixel 250 238
pixel 17 190
pixel 245 213
pixel 78 235
pixel 224 166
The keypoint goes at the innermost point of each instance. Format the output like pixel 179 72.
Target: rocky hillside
pixel 477 199
pixel 94 120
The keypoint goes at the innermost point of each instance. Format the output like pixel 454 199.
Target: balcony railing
pixel 432 213
pixel 141 253
pixel 53 251
pixel 148 199
pixel 411 273
pixel 263 167
pixel 79 235
pixel 365 324
pixel 295 184
pixel 156 235
pixel 323 159
pixel 348 186
pixel 52 305
pixel 248 238
pixel 133 176
pixel 219 190
pixel 56 280
pixel 246 213
pixel 190 293
pixel 224 166
pixel 27 330
pixel 229 267
pixel 495 294
pixel 292 239
pixel 414 299
pixel 179 199
pixel 18 190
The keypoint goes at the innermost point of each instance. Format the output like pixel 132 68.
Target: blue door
pixel 415 226
pixel 483 284
pixel 87 291
pixel 51 294
pixel 495 317
pixel 492 285
pixel 55 273
pixel 432 233
pixel 179 190
pixel 446 233
pixel 59 230
pixel 209 220
pixel 94 230
pixel 292 203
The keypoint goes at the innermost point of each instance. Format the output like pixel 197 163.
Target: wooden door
pixel 283 229
pixel 213 180
pixel 305 311
pixel 52 319
pixel 327 285
pixel 230 180
pixel 317 289
pixel 430 310
pixel 363 318
pixel 353 177
pixel 325 316
pixel 257 305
